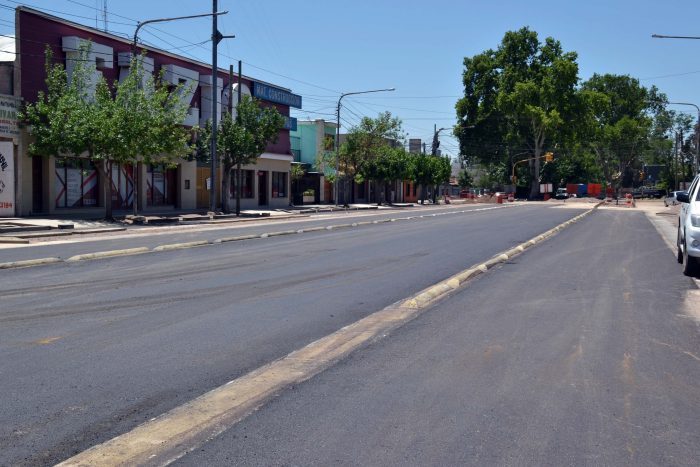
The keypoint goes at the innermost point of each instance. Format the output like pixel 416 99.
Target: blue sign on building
pixel 276 95
pixel 290 123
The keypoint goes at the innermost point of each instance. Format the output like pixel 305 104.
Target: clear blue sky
pixel 321 48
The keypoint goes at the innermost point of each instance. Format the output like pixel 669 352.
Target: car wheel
pixel 679 251
pixel 690 264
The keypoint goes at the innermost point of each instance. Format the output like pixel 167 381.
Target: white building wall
pixel 205 81
pixel 176 75
pixel 99 57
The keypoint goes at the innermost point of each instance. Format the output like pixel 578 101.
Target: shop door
pixel 262 188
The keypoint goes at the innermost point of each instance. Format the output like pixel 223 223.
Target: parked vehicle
pixel 671 200
pixel 688 236
pixel 561 193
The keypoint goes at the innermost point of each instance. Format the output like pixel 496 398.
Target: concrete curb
pixel 181 246
pixel 13 240
pixel 283 232
pixel 235 239
pixel 29 262
pixel 108 254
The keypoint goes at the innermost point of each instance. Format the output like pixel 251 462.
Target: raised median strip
pixel 181 246
pixel 108 254
pixel 235 239
pixel 13 240
pixel 170 436
pixel 29 262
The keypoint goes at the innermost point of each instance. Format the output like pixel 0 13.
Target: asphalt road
pixel 582 351
pixel 89 350
pixel 65 247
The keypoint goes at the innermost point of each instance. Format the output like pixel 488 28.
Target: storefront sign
pixel 7 179
pixel 276 95
pixel 9 124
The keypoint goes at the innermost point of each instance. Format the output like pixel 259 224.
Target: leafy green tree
pixel 430 171
pixel 465 179
pixel 388 165
pixel 517 96
pixel 126 123
pixel 442 169
pixel 364 143
pixel 616 123
pixel 296 173
pixel 240 141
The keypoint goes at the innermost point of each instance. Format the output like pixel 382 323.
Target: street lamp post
pixel 660 36
pixel 337 135
pixel 134 46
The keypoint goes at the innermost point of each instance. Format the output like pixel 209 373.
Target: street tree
pixel 240 141
pixel 616 122
pixel 519 95
pixel 365 141
pixel 388 165
pixel 464 179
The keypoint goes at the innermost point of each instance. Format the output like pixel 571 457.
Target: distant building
pixel 309 142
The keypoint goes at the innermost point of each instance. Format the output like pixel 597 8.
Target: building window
pixel 160 183
pixel 122 186
pixel 246 186
pixel 329 142
pixel 279 184
pixel 76 183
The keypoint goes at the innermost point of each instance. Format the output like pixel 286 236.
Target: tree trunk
pixel 106 176
pixel 239 182
pixel 226 189
pixel 535 172
pixel 135 177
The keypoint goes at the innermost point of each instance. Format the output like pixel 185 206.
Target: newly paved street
pixel 65 247
pixel 92 349
pixel 584 350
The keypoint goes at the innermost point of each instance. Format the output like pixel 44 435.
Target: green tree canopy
pixel 516 100
pixel 240 141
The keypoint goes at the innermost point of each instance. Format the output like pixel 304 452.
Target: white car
pixel 688 237
pixel 671 200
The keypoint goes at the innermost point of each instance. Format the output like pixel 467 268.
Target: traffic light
pixel 548 157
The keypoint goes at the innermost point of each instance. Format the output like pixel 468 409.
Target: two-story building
pixel 49 185
pixel 310 141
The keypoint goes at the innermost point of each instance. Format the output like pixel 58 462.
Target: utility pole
pixel 436 140
pixel 216 37
pixel 239 178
